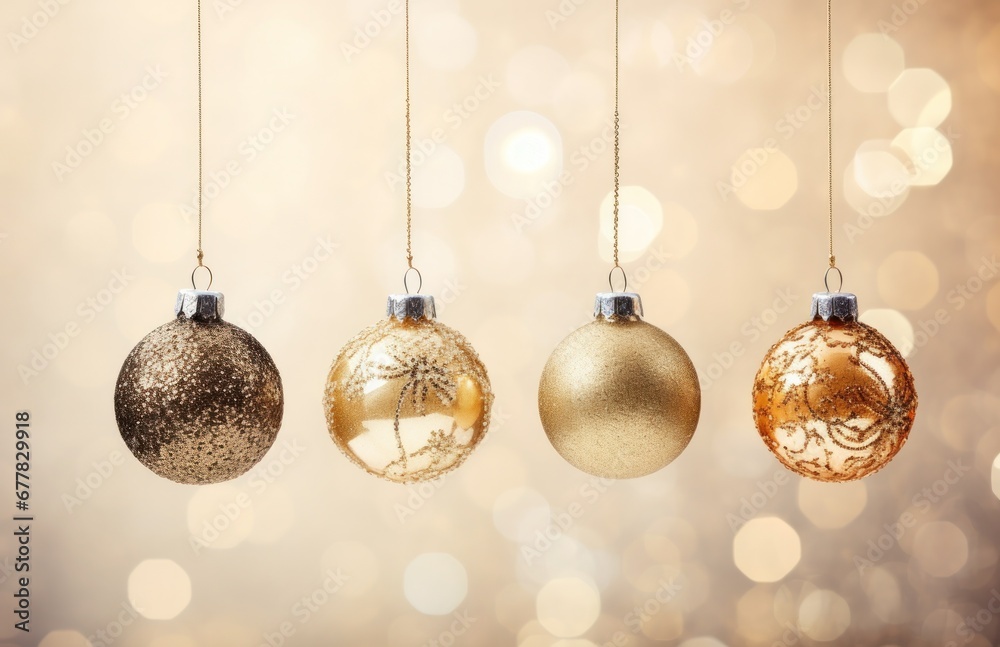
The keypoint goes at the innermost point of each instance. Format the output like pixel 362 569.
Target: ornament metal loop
pixel 194 273
pixel 406 277
pixel 826 278
pixel 611 279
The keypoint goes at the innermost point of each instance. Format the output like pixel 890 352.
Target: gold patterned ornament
pixel 199 400
pixel 619 398
pixel 408 399
pixel 833 399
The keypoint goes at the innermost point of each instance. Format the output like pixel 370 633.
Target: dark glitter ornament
pixel 199 400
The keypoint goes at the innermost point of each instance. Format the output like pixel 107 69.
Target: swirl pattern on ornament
pixel 408 400
pixel 834 401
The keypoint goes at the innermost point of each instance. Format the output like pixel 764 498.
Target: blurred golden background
pixel 723 228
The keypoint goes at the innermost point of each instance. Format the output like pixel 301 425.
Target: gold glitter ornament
pixel 619 398
pixel 408 399
pixel 199 400
pixel 833 399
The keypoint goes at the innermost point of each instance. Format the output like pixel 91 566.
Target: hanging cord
pixel 829 147
pixel 617 147
pixel 201 170
pixel 409 162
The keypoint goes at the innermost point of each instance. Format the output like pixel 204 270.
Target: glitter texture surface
pixel 619 398
pixel 199 402
pixel 834 401
pixel 408 400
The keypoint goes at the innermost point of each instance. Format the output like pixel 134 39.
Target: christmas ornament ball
pixel 199 400
pixel 408 399
pixel 619 398
pixel 833 399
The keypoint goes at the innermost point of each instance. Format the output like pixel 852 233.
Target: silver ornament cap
pixel 834 306
pixel 410 306
pixel 200 305
pixel 618 305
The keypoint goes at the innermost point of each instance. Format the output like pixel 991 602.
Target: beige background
pixel 509 236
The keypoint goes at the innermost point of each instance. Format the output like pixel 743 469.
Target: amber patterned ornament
pixel 408 399
pixel 199 400
pixel 834 400
pixel 619 398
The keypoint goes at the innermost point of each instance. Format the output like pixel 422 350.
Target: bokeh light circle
pixel 940 548
pixel 567 607
pixel 928 152
pixel 764 180
pixel 766 549
pixel 832 505
pixel 919 97
pixel 907 280
pixel 872 62
pixel 435 583
pixel 159 589
pixel 64 638
pixel 893 325
pixel 824 615
pixel 524 155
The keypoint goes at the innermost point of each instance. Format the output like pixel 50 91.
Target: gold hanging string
pixel 617 147
pixel 829 150
pixel 201 170
pixel 409 162
pixel 617 138
pixel 829 123
pixel 201 175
